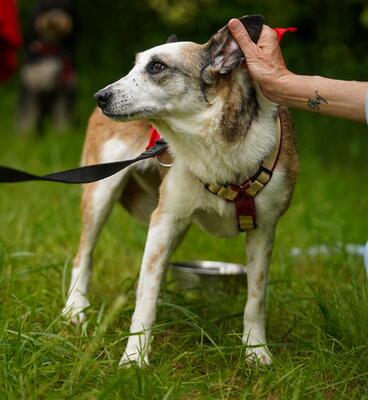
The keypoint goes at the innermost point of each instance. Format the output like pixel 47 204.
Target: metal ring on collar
pixel 165 165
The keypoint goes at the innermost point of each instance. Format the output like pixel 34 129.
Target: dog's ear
pixel 224 53
pixel 172 39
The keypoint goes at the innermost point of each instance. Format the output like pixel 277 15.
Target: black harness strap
pixel 87 174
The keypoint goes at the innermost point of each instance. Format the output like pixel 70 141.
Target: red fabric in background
pixel 281 31
pixel 10 38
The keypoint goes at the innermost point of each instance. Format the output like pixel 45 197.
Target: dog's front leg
pixel 259 250
pixel 165 232
pixel 97 202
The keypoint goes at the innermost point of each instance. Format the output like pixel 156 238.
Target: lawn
pixel 317 306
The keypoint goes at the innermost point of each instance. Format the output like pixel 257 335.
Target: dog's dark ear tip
pixel 256 18
pixel 253 24
pixel 172 39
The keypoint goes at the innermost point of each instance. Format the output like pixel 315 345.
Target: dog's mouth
pixel 133 115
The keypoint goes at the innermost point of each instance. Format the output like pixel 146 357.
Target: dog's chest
pixel 212 213
pixel 222 224
pixel 197 165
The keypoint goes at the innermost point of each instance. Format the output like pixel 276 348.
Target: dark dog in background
pixel 48 78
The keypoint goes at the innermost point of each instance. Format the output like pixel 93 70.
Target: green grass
pixel 317 307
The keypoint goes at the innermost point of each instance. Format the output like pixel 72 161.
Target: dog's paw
pixel 259 355
pixel 74 309
pixel 133 357
pixel 256 351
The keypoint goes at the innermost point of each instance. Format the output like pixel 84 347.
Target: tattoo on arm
pixel 315 103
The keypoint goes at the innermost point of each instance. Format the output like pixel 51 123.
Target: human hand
pixel 264 60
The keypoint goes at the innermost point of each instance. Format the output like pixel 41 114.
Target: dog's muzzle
pixel 103 98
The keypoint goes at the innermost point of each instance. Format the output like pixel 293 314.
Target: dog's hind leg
pixel 97 202
pixel 62 111
pixel 259 249
pixel 29 113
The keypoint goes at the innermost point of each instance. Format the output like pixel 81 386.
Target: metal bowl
pixel 211 275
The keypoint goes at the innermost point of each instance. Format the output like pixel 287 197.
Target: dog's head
pixel 53 21
pixel 53 25
pixel 175 78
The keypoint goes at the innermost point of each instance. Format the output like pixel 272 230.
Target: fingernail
pixel 235 24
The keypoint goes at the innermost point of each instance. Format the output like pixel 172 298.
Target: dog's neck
pixel 227 141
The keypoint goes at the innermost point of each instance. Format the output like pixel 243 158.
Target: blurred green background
pixel 331 40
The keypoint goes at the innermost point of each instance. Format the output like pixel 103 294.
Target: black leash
pixel 90 173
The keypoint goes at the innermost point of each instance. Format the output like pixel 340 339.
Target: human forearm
pixel 266 65
pixel 328 96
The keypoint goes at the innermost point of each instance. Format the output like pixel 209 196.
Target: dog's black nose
pixel 103 97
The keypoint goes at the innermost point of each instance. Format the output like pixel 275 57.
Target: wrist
pixel 277 88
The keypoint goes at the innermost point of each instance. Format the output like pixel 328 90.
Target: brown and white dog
pixel 220 128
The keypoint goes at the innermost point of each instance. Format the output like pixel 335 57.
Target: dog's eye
pixel 156 67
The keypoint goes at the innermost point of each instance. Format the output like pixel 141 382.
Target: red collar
pixel 154 136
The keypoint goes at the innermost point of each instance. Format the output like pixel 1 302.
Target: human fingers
pixel 241 36
pixel 268 38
